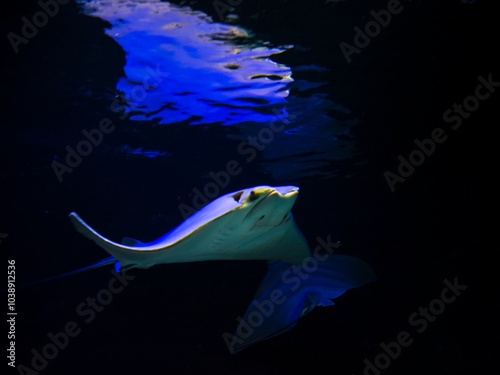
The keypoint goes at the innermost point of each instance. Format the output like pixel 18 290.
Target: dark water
pixel 347 123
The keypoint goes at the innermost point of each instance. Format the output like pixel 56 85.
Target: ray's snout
pixel 287 190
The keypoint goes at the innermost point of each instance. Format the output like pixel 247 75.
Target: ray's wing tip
pixel 75 219
pixel 80 225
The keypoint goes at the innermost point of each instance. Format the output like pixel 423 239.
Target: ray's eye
pixel 253 196
pixel 237 196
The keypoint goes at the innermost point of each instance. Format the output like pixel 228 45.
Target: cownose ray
pixel 289 292
pixel 254 223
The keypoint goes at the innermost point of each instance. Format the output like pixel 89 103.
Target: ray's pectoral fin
pixel 254 223
pixel 287 293
pixel 111 247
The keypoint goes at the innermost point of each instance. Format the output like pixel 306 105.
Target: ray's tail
pixel 101 263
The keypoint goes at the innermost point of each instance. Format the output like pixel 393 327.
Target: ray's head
pixel 267 205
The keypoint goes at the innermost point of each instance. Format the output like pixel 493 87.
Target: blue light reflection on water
pixel 183 67
pixel 140 151
pixel 180 65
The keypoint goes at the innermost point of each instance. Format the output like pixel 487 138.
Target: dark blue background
pixel 170 319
